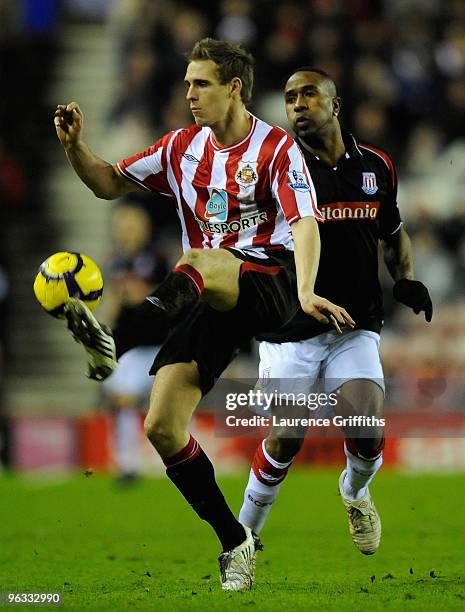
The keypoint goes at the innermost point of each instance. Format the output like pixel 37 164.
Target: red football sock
pixel 193 274
pixel 266 469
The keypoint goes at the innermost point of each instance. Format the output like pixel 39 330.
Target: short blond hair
pixel 231 59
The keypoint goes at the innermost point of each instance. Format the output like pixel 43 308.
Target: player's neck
pixel 328 147
pixel 234 128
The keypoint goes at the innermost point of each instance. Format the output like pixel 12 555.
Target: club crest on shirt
pixel 217 205
pixel 298 181
pixel 246 174
pixel 369 185
pixel 265 379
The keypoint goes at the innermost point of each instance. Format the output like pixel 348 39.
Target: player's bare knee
pixel 159 432
pixel 150 428
pixel 360 397
pixel 204 262
pixel 193 257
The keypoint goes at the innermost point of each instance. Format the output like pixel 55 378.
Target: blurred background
pixel 400 69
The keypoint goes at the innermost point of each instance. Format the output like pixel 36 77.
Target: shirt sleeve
pixel 291 183
pixel 149 168
pixel 389 220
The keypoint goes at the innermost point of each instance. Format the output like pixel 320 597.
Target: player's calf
pixel 175 395
pixel 265 479
pixel 361 468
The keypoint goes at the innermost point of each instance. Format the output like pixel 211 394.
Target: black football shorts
pixel 267 299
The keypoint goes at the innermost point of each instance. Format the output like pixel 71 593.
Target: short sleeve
pixel 149 168
pixel 390 220
pixel 292 185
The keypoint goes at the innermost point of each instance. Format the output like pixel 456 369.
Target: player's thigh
pixel 354 356
pixel 289 372
pixel 205 336
pixel 296 362
pixel 354 368
pixel 220 271
pixel 175 395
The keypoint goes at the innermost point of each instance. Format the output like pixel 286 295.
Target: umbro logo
pixel 191 158
pixel 269 477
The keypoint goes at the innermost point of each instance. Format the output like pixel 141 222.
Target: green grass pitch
pixel 143 548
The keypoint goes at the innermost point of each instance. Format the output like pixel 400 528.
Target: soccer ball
pixel 65 275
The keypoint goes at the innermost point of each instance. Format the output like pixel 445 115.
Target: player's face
pixel 309 104
pixel 209 99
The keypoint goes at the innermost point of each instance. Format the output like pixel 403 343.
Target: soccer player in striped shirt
pixel 244 199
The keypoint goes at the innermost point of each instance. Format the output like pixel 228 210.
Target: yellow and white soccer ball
pixel 64 275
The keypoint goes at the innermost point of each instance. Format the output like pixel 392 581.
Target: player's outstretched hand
pixel 68 122
pixel 415 295
pixel 326 312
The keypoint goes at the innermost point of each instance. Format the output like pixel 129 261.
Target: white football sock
pixel 360 472
pixel 128 436
pixel 258 496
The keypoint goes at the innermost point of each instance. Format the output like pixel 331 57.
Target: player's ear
pixel 236 86
pixel 336 105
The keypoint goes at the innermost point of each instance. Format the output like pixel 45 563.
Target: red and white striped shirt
pixel 245 196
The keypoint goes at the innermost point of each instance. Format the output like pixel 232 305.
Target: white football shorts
pixel 131 377
pixel 327 361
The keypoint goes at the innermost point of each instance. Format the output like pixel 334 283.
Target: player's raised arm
pixel 99 175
